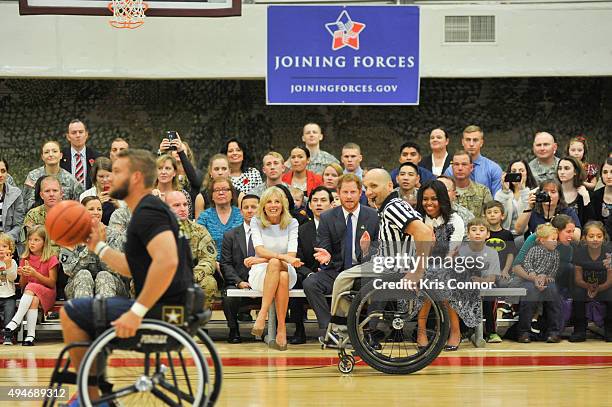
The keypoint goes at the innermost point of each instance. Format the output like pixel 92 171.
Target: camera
pixel 542 196
pixel 171 135
pixel 512 177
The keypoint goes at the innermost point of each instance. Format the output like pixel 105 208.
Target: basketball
pixel 68 223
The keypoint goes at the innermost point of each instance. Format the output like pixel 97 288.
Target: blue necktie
pixel 250 248
pixel 348 243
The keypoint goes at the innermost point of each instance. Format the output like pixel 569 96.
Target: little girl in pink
pixel 38 271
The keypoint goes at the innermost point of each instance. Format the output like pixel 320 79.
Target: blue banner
pixel 357 55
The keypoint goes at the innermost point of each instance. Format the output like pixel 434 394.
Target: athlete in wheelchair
pixel 378 314
pixel 133 360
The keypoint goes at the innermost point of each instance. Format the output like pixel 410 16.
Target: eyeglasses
pixel 219 190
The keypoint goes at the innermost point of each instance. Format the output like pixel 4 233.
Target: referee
pixel 157 257
pixel 399 224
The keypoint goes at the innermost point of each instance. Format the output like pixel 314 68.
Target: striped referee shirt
pixel 395 215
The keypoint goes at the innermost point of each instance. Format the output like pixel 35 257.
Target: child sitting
pixel 592 280
pixel 8 275
pixel 298 198
pixel 541 265
pixel 486 271
pixel 502 241
pixel 38 274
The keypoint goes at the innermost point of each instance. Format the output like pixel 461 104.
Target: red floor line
pixel 484 361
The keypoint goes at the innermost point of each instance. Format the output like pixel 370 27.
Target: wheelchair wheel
pixel 160 365
pixel 216 374
pixel 382 327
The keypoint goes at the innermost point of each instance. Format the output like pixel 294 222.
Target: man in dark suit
pixel 343 240
pixel 78 159
pixel 320 200
pixel 236 247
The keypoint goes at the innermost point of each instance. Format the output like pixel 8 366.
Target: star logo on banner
pixel 345 32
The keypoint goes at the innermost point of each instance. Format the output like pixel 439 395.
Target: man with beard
pixel 157 257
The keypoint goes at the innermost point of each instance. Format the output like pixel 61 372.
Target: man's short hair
pixel 410 144
pixel 48 178
pixel 408 164
pixel 544 132
pixel 472 128
pixel 478 221
pixel 448 177
pixel 493 204
pixel 273 154
pixel 349 178
pixel 319 189
pixel 351 146
pixel 73 121
pixel 143 161
pixel 248 196
pixel 120 139
pixel 462 152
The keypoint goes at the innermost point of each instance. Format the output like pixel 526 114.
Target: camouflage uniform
pixel 465 215
pixel 204 253
pixel 541 172
pixel 70 186
pixel 88 275
pixel 318 162
pixel 116 231
pixel 474 197
pixel 36 216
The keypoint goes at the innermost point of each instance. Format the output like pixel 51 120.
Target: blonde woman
pixel 274 234
pixel 168 179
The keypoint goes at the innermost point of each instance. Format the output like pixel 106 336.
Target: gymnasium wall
pixel 208 112
pixel 569 39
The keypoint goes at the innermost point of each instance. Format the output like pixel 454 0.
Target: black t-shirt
pixel 503 242
pixel 150 218
pixel 593 271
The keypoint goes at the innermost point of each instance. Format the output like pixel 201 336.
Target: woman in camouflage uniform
pixel 87 274
pixel 51 156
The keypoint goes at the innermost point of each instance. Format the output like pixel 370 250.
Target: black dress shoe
pixel 553 339
pixel 297 340
pixel 524 338
pixel 372 340
pixel 234 337
pixel 578 336
pixel 451 348
pixel 244 317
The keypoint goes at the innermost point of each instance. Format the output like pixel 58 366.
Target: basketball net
pixel 127 13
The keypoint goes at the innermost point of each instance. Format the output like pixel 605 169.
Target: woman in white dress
pixel 275 239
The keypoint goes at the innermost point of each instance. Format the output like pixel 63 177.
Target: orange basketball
pixel 68 223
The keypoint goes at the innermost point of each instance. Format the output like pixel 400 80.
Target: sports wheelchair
pixel 381 327
pixel 160 365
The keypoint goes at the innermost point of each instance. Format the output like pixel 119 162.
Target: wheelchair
pixel 381 327
pixel 160 365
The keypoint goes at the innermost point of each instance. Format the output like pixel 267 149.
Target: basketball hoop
pixel 127 13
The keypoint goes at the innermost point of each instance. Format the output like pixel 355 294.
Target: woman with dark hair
pixel 243 178
pixel 299 176
pixel 514 195
pixel 434 204
pixel 542 208
pixel 439 159
pixel 571 175
pixel 12 209
pixel 101 179
pixel 602 198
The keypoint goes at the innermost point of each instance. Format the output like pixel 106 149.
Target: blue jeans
pixel 552 307
pixel 9 306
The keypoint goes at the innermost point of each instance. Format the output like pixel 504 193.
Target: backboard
pixel 156 8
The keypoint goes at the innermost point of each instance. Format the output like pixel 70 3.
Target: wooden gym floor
pixel 509 373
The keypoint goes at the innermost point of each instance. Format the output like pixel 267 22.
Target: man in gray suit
pixel 344 237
